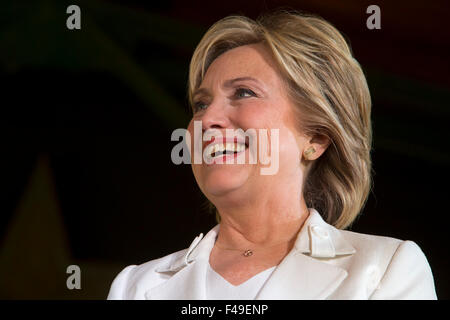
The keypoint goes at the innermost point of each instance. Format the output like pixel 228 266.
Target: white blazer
pixel 325 263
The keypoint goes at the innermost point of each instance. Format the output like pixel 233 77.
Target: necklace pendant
pixel 247 253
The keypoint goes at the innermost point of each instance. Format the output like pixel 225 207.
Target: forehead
pixel 250 60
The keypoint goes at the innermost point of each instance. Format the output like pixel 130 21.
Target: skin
pixel 259 212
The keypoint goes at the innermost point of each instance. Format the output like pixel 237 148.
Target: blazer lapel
pixel 300 277
pixel 308 272
pixel 188 274
pixel 186 284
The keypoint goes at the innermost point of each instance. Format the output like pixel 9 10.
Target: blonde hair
pixel 329 89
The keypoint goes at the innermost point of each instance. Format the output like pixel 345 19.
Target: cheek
pixel 270 115
pixel 190 128
pixel 289 149
pixel 257 115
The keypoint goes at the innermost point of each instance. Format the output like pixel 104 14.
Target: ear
pixel 320 143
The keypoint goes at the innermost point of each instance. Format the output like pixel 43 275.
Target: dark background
pixel 86 117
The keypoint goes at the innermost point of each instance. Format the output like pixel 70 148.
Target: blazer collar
pixel 320 240
pixel 303 274
pixel 188 273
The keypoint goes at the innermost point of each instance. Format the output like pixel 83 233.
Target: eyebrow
pixel 227 84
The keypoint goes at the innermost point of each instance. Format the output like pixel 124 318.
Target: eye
pixel 199 105
pixel 244 93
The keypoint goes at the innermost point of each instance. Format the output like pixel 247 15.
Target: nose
pixel 215 117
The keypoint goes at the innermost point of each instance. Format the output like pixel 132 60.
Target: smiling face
pixel 243 90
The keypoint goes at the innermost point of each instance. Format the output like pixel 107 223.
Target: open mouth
pixel 230 149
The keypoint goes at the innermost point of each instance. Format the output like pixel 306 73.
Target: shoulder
pixel 375 245
pixel 383 248
pixel 126 283
pixel 399 268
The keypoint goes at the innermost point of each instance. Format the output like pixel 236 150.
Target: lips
pixel 219 149
pixel 224 148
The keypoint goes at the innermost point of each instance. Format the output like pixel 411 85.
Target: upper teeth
pixel 221 147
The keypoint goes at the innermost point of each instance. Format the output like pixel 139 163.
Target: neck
pixel 262 222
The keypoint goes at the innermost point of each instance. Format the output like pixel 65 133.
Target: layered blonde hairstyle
pixel 329 90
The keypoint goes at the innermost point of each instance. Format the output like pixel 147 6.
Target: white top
pixel 217 288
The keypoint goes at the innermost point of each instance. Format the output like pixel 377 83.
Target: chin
pixel 221 181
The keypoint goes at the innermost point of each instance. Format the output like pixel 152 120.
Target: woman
pixel 280 235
